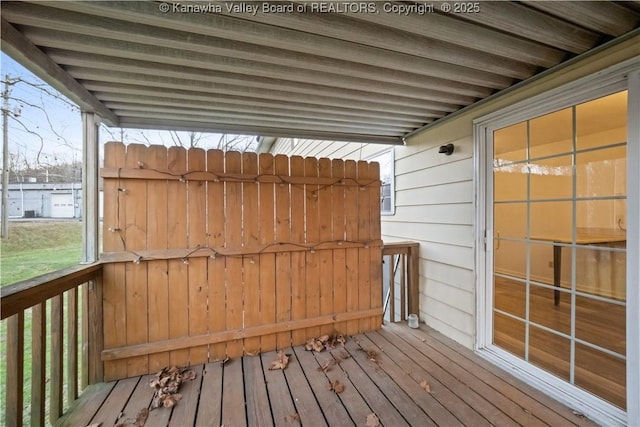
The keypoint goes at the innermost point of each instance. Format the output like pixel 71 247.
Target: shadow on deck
pixel 384 372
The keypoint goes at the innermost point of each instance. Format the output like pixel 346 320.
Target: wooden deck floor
pixel 464 390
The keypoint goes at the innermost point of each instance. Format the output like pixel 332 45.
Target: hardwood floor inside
pixel 597 322
pixel 404 376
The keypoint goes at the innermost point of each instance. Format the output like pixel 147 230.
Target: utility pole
pixel 8 82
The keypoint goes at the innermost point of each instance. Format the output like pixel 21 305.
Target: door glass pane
pixel 551 134
pixel 510 220
pixel 551 220
pixel 552 178
pixel 544 312
pixel 549 351
pixel 510 296
pixel 594 318
pixel 559 253
pixel 602 121
pixel 510 144
pixel 601 373
pixel 602 172
pixel 510 182
pixel 509 334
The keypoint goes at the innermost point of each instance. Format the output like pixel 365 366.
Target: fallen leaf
pixel 281 362
pixel 336 386
pixel 188 375
pixel 325 342
pixel 372 420
pixel 293 418
pixel 425 385
pixel 167 383
pixel 372 355
pixel 325 367
pixel 168 402
pixel 142 417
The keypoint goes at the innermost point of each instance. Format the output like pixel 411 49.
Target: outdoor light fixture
pixel 446 149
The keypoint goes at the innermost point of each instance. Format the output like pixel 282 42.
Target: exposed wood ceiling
pixel 347 75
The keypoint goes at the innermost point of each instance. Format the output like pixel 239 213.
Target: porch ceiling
pixel 343 76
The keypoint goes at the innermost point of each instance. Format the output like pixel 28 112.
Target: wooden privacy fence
pixel 211 255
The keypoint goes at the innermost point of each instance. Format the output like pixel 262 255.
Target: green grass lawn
pixel 34 248
pixel 38 247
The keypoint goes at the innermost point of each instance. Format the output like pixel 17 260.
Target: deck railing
pixel 401 280
pixel 67 307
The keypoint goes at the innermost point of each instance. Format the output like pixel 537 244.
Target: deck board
pixel 233 407
pixel 465 389
pixel 258 408
pixel 209 407
pixel 282 407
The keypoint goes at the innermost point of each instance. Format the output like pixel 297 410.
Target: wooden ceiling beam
pixel 118 93
pixel 142 103
pixel 22 50
pixel 211 32
pixel 262 120
pixel 383 103
pixel 604 17
pixel 311 103
pixel 455 31
pixel 178 71
pixel 533 25
pixel 252 129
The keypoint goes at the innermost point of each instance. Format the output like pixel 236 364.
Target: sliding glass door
pixel 559 244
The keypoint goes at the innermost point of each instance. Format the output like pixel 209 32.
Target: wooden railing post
pixel 413 278
pixel 38 362
pixel 15 364
pixel 95 335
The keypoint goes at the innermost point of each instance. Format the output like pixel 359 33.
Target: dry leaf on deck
pixel 166 385
pixel 425 385
pixel 336 386
pixel 293 418
pixel 372 420
pixel 188 375
pixel 281 362
pixel 142 417
pixel 325 367
pixel 372 355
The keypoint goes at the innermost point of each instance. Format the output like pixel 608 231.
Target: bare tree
pixel 185 139
pixel 19 159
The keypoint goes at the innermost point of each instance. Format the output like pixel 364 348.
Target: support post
pixel 90 199
pixel 4 233
pixel 633 249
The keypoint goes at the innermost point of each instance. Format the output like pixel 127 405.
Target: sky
pixel 55 137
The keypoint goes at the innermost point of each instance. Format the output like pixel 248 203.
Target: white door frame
pixel 622 76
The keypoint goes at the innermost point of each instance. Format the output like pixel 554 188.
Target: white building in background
pixel 45 200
